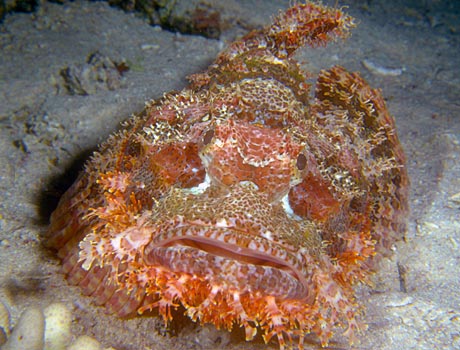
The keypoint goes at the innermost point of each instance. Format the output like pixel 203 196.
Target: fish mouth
pixel 227 257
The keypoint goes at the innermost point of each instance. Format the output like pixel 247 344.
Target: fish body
pixel 243 199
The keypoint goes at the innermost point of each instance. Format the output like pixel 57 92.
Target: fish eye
pixel 207 137
pixel 301 161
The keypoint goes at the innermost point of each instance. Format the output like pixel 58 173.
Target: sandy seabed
pixel 46 128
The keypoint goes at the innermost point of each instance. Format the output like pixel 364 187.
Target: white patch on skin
pixel 221 223
pixel 200 188
pixel 287 208
pixel 219 143
pixel 268 235
pixel 116 243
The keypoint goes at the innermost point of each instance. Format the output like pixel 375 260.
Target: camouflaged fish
pixel 244 199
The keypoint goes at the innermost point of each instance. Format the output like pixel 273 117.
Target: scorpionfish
pixel 245 199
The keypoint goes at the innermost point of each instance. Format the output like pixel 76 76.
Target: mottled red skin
pixel 240 198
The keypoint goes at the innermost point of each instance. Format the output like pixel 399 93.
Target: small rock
pixel 97 74
pixel 57 326
pixel 85 343
pixel 29 331
pixel 4 322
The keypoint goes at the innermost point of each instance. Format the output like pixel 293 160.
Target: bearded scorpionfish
pixel 244 199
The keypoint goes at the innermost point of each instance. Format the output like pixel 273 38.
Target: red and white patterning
pixel 243 199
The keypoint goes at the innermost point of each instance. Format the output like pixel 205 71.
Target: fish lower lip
pixel 245 269
pixel 237 275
